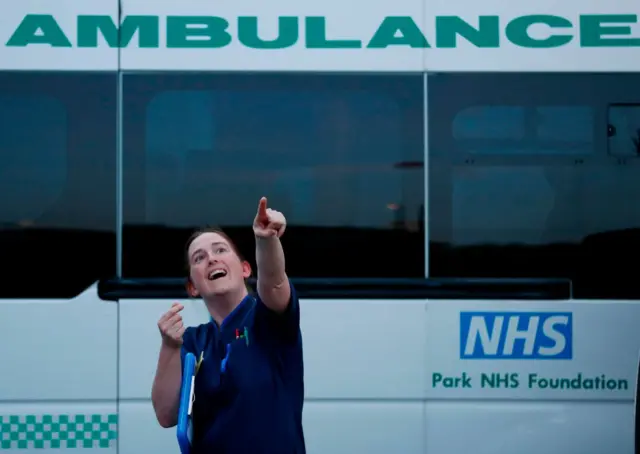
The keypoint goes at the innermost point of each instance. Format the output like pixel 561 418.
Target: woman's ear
pixel 246 269
pixel 191 289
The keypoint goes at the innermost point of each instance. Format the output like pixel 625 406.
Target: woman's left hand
pixel 268 222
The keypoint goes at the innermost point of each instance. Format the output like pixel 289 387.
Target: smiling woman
pixel 190 256
pixel 214 262
pixel 249 393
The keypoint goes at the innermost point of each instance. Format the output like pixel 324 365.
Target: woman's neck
pixel 220 306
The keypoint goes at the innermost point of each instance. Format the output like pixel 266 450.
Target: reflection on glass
pixel 217 145
pixel 490 122
pixel 624 131
pixel 535 189
pixel 522 130
pixel 33 159
pixel 565 124
pixel 479 199
pixel 58 182
pixel 326 150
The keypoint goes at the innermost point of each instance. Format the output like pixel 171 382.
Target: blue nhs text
pixel 516 335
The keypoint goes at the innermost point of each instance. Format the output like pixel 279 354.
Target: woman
pixel 249 381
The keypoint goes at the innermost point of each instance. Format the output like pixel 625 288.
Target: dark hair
pixel 220 232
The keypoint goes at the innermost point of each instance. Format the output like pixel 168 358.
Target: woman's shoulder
pixel 195 337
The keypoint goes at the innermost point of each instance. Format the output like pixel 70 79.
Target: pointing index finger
pixel 262 207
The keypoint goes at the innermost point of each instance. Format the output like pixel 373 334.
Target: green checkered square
pixel 58 431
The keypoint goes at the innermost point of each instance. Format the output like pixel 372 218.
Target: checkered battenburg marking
pixel 58 431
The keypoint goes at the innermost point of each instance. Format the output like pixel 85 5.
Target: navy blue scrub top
pixel 249 387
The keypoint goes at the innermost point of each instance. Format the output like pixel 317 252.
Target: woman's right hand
pixel 171 326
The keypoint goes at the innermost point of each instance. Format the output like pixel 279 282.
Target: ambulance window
pixel 526 178
pixel 57 180
pixel 340 155
pixel 624 130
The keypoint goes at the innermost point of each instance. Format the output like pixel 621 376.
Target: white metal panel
pixel 62 350
pixel 364 349
pixel 609 43
pixel 421 37
pixel 336 427
pixel 55 26
pixel 354 20
pixel 58 386
pixel 605 342
pixel 529 427
pixel 364 374
pixel 352 350
pixel 505 419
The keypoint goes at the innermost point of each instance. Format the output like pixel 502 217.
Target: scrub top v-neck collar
pixel 238 313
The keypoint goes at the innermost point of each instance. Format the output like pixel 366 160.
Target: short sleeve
pixel 285 326
pixel 188 344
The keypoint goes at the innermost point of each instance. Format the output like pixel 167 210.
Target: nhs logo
pixel 516 335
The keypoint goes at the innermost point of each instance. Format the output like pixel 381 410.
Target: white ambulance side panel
pixel 58 22
pixel 540 36
pixel 434 36
pixel 355 21
pixel 364 375
pixel 58 384
pixel 529 416
pixel 365 362
pixel 399 36
pixel 58 379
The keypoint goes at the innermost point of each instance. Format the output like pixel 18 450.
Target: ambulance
pixel 461 181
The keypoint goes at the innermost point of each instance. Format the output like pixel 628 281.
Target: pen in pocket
pixel 223 365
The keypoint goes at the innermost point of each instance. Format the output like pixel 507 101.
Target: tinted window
pixel 57 180
pixel 335 153
pixel 535 175
pixel 624 130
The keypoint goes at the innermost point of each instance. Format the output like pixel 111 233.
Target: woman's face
pixel 214 267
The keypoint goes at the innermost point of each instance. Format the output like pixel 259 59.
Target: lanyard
pixel 199 362
pixel 223 366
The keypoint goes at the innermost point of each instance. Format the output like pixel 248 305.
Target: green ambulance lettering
pixel 316 36
pixel 593 29
pixel 249 37
pixel 592 32
pixel 39 29
pixel 386 35
pixel 517 31
pixel 147 28
pixel 448 28
pixel 193 32
pixel 44 29
pixel 211 32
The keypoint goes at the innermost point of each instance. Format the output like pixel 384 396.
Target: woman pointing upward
pixel 249 387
